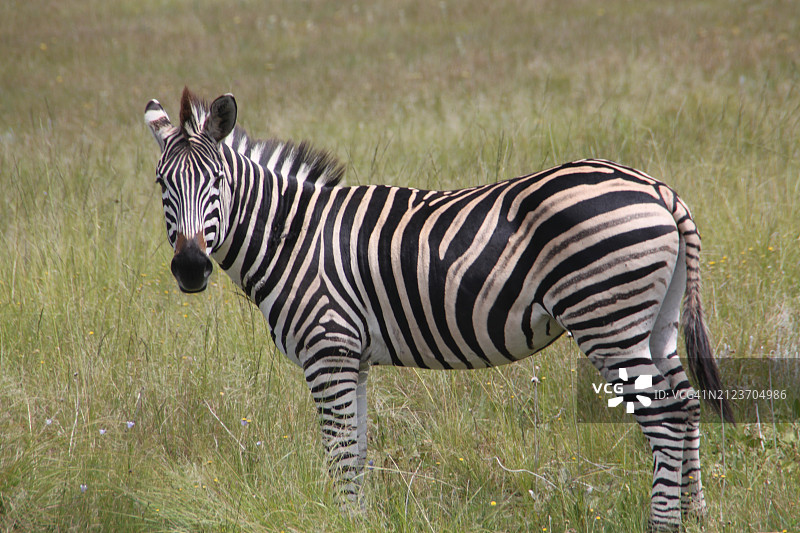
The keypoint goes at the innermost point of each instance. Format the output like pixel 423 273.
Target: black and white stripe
pixel 349 277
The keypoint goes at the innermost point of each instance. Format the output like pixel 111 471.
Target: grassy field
pixel 127 406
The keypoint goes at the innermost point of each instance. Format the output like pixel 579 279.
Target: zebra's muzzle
pixel 190 264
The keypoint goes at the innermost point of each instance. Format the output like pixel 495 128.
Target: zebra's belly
pixel 522 335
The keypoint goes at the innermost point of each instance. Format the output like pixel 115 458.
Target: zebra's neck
pixel 269 188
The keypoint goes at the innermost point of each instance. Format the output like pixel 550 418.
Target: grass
pixel 93 333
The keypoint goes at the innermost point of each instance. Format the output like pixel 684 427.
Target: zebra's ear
pixel 222 117
pixel 157 119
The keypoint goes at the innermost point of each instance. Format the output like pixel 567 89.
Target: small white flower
pixel 83 487
pixel 131 423
pixel 48 421
pixel 102 431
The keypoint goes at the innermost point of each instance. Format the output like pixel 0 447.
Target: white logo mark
pixel 645 381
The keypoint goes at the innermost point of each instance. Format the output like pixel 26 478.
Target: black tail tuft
pixel 702 366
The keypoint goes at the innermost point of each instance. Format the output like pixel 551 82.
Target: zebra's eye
pixel 160 181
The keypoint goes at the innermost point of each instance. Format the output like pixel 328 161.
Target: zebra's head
pixel 191 173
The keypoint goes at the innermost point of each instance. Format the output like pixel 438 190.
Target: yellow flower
pixel 493 503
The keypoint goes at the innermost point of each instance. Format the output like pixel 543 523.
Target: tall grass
pixel 94 334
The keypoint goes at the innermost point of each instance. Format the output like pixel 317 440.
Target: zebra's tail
pixel 702 366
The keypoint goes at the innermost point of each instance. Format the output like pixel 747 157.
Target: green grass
pixel 93 332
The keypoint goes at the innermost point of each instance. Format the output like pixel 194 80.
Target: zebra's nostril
pixel 191 268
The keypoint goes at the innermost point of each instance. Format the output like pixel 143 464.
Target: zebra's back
pixel 488 275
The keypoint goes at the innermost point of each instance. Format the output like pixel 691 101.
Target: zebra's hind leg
pixel 693 505
pixel 664 349
pixel 663 421
pixel 338 386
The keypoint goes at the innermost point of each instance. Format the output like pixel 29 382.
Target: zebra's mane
pixel 288 158
pixel 300 160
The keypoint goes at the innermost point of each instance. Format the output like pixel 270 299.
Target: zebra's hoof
pixel 662 527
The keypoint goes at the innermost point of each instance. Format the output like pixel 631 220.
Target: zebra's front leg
pixel 361 416
pixel 338 386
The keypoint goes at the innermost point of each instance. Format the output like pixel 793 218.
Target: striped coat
pixel 349 277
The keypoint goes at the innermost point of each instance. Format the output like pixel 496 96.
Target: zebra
pixel 350 277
